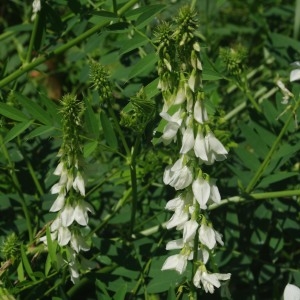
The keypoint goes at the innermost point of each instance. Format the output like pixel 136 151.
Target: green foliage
pixel 106 53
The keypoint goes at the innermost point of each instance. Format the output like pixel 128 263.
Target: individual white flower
pixel 214 192
pixel 187 140
pixel 200 113
pixel 67 215
pixel 58 188
pixel 78 243
pixel 36 7
pixel 63 236
pixel 209 280
pixel 209 237
pixel 59 203
pixel 81 212
pixel 286 93
pixel 189 230
pixel 179 218
pixel 175 244
pixel 170 130
pixel 174 203
pixel 201 191
pixel 200 146
pixel 291 292
pixel 194 80
pixel 175 262
pixel 59 169
pixel 214 148
pixel 180 96
pixel 295 74
pixel 78 184
pixel 179 175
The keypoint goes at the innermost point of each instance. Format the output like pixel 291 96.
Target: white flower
pixel 291 292
pixel 175 262
pixel 200 113
pixel 67 215
pixel 175 244
pixel 194 80
pixel 63 236
pixel 295 74
pixel 187 140
pixel 201 191
pixel 78 184
pixel 59 169
pixel 58 188
pixel 200 146
pixel 209 281
pixel 81 212
pixel 58 203
pixel 214 148
pixel 209 237
pixel 179 175
pixel 170 130
pixel 214 192
pixel 189 230
pixel 286 93
pixel 174 203
pixel 179 218
pixel 78 243
pixel 36 6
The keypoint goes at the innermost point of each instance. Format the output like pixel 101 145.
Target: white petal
pixel 174 203
pixel 176 262
pixel 207 236
pixel 187 140
pixel 196 279
pixel 189 230
pixel 67 215
pixel 295 75
pixel 201 190
pixel 64 236
pixel 176 244
pixel 178 219
pixel 214 193
pixel 200 147
pixel 59 169
pixel 78 184
pixel 78 243
pixel 58 203
pixel 57 188
pixel 291 292
pixel 56 224
pixel 200 113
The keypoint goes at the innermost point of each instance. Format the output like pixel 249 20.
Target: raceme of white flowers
pixel 71 208
pixel 187 124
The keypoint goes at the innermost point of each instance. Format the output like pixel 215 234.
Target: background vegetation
pixel 259 182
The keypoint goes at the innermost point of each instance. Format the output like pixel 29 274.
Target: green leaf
pixel 51 248
pixel 39 131
pixel 146 17
pixel 17 130
pixel 12 113
pixel 91 121
pixel 34 109
pixel 20 271
pixel 26 264
pixel 108 130
pixel 272 178
pixel 89 148
pixel 121 293
pixel 144 65
pixel 135 42
pixel 209 74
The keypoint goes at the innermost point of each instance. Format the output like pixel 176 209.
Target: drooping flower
pixel 209 237
pixel 295 74
pixel 291 292
pixel 201 190
pixel 209 280
pixel 214 149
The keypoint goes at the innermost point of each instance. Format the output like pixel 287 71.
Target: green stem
pixel 29 66
pixel 256 196
pixel 18 188
pixel 134 183
pixel 32 38
pixel 267 159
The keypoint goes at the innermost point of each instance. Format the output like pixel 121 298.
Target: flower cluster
pixel 72 210
pixel 185 121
